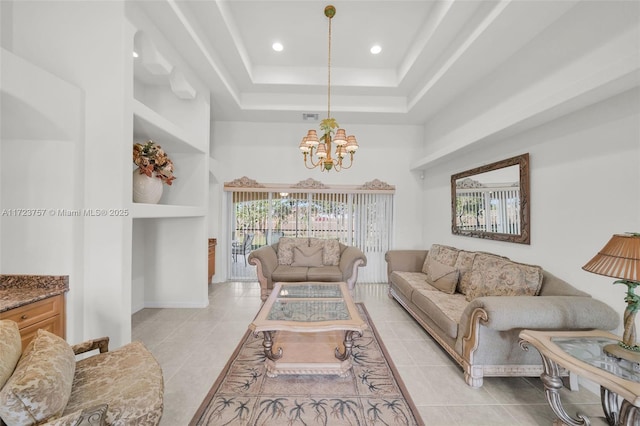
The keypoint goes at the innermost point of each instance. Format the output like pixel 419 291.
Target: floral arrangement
pixel 150 158
pixel 327 126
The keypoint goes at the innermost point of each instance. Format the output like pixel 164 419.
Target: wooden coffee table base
pixel 308 353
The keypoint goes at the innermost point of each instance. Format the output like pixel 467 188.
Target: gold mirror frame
pixel 524 236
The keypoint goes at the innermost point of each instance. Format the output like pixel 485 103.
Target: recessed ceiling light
pixel 375 49
pixel 135 54
pixel 277 46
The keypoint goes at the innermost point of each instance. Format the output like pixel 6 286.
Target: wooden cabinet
pixel 212 258
pixel 48 314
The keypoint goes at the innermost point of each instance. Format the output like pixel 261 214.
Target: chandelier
pixel 321 147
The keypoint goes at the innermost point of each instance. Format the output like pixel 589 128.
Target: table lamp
pixel 620 258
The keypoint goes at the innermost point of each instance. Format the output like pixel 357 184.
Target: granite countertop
pixel 20 290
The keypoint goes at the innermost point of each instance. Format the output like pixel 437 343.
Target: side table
pixel 581 352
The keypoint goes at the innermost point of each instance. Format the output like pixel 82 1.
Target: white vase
pixel 146 189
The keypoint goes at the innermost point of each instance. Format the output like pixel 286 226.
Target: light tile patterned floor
pixel 193 345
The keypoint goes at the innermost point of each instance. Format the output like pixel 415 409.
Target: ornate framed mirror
pixel 492 201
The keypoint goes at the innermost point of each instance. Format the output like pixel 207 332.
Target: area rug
pixel 373 394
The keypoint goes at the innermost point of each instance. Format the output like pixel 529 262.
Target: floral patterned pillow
pixel 285 250
pixel 40 386
pixel 439 253
pixel 496 276
pixel 331 253
pixel 463 265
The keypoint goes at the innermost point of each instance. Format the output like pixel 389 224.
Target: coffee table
pixel 308 328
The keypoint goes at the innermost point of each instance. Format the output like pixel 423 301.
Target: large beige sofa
pixel 475 304
pixel 46 385
pixel 306 259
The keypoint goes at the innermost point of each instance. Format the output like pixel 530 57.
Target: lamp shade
pixel 619 258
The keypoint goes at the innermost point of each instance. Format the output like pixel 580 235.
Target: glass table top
pixel 306 291
pixel 590 350
pixel 309 302
pixel 309 310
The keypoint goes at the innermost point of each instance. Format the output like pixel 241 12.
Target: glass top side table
pixel 582 352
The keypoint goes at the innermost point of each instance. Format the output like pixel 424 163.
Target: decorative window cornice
pixel 377 184
pixel 310 184
pixel 244 182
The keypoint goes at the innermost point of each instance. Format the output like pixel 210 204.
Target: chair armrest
pixel 101 343
pixel 405 260
pixel 91 416
pixel 541 312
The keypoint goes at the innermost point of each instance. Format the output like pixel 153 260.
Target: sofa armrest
pixel 101 343
pixel 540 312
pixel 265 259
pixel 405 260
pixel 348 258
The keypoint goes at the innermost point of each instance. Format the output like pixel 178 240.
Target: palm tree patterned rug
pixel 373 394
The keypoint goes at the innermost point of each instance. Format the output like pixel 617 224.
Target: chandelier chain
pixel 329 74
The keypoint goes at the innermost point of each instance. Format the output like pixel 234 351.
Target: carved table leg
pixel 610 405
pixel 268 346
pixel 348 345
pixel 629 414
pixel 552 385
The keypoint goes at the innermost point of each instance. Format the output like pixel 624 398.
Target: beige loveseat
pixel 45 385
pixel 306 259
pixel 475 304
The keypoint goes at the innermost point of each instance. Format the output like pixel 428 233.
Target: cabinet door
pixel 53 325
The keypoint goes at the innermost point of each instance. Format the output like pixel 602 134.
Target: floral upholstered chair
pixel 45 385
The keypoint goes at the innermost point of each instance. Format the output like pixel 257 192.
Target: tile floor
pixel 193 345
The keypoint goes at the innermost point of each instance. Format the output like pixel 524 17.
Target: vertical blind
pixel 362 218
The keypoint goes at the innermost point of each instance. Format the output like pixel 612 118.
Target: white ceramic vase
pixel 146 189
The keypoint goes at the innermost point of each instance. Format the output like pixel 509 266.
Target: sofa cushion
pixel 441 276
pixel 407 282
pixel 443 254
pixel 10 349
pixel 464 262
pixel 128 379
pixel 307 256
pixel 41 383
pixel 324 273
pixel 495 276
pixel 289 273
pixel 445 310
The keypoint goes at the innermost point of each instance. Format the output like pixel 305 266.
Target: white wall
pixel 85 44
pixel 268 153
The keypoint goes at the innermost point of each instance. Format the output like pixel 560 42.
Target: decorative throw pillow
pixel 331 253
pixel 463 265
pixel 41 383
pixel 496 276
pixel 285 250
pixel 10 349
pixel 307 256
pixel 443 254
pixel 443 277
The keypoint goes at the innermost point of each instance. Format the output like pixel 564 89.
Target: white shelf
pixel 142 210
pixel 148 124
